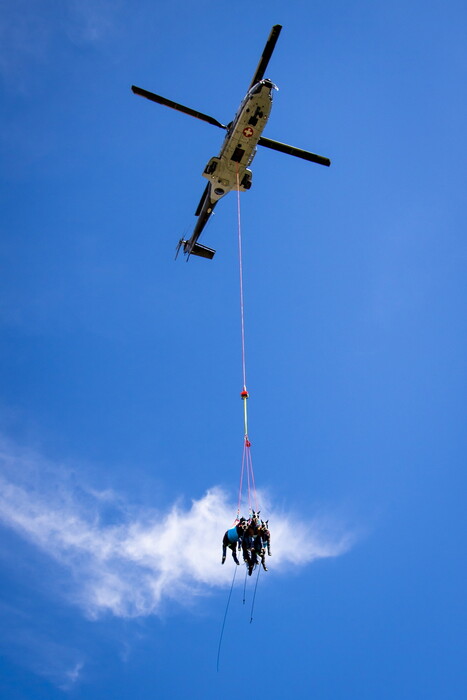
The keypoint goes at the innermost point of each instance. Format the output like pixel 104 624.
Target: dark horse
pixel 263 542
pixel 233 538
pixel 255 542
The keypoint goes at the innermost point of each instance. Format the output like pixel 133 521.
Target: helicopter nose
pixel 269 84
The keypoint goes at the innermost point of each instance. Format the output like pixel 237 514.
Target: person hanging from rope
pixel 233 538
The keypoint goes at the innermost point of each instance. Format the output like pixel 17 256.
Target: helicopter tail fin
pixel 202 250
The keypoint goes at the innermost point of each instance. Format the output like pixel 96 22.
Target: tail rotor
pixel 180 243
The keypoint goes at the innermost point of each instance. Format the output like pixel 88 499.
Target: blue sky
pixel 120 418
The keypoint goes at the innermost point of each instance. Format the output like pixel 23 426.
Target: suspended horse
pixel 249 542
pixel 256 542
pixel 233 538
pixel 263 543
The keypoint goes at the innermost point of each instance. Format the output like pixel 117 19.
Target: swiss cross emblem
pixel 248 131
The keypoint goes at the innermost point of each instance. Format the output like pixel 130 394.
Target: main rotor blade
pixel 267 53
pixel 175 105
pixel 292 151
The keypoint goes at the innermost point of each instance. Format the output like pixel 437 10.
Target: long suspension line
pixel 242 306
pixel 247 464
pixel 225 618
pixel 246 459
pixel 254 596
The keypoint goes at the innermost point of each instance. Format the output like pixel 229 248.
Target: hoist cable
pixel 225 618
pixel 244 586
pixel 246 459
pixel 244 396
pixel 254 595
pixel 240 257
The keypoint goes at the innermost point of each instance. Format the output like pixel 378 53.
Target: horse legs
pixel 224 552
pixel 247 557
pixel 232 546
pixel 253 561
pixel 234 553
pixel 225 543
pixel 250 558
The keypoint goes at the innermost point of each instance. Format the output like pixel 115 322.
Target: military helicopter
pixel 229 170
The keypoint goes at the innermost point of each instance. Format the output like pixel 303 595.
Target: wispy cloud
pixel 71 676
pixel 143 559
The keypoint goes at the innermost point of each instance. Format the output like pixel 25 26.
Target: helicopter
pixel 229 170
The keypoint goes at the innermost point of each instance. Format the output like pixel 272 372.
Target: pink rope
pixel 253 485
pixel 248 475
pixel 241 482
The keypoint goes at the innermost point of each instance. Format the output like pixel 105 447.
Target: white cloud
pixel 131 568
pixel 71 676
